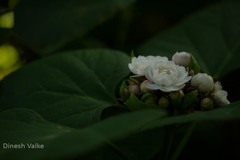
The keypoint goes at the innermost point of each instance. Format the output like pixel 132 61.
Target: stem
pixel 183 142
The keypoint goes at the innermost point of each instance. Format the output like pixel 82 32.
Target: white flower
pixel 217 86
pixel 166 76
pixel 203 82
pixel 219 95
pixel 140 63
pixel 181 58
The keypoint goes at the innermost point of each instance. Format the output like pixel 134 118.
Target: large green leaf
pixel 72 88
pixel 23 126
pixel 228 112
pixel 211 35
pixel 48 25
pixel 28 125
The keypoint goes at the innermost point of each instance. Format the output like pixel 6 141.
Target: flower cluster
pixel 174 84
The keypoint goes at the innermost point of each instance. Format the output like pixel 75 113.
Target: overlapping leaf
pixel 48 25
pixel 211 35
pixel 72 88
pixel 22 126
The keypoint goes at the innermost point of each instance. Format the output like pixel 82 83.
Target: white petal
pixel 217 86
pixel 153 86
pixel 220 97
pixel 183 81
pixel 166 75
pixel 171 88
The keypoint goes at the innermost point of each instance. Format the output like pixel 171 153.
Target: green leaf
pixel 211 35
pixel 20 124
pixel 25 126
pixel 143 145
pixel 61 21
pixel 72 88
pixel 229 112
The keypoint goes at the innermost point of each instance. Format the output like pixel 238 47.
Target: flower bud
pixel 220 97
pixel 203 82
pixel 134 89
pixel 176 98
pixel 123 92
pixel 217 86
pixel 206 104
pixel 176 95
pixel 144 88
pixel 149 99
pixel 181 58
pixel 191 73
pixel 163 102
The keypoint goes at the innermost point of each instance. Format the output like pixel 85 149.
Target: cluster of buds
pixel 176 85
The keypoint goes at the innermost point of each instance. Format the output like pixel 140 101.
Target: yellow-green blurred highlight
pixel 7 20
pixel 12 3
pixel 9 60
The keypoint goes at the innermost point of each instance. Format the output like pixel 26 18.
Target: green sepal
pixel 194 66
pixel 132 54
pixel 176 99
pixel 190 99
pixel 124 95
pixel 149 99
pixel 164 102
pixel 133 103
